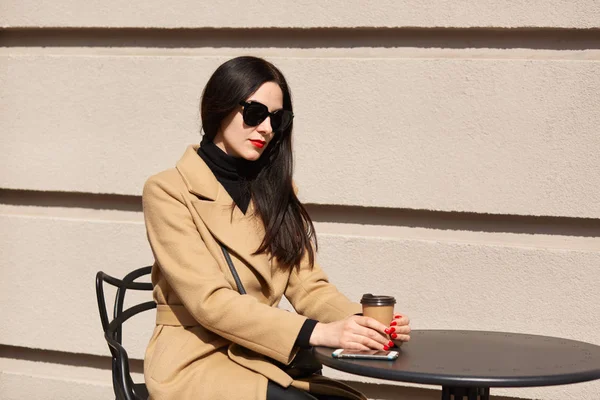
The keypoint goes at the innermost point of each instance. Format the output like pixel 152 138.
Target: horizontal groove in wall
pixel 64 358
pixel 70 200
pixel 450 38
pixel 373 216
pixel 456 221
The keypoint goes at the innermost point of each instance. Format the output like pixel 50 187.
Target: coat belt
pixel 174 315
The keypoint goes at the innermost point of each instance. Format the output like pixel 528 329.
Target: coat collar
pixel 240 233
pixel 197 176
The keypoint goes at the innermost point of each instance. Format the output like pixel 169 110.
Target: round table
pixel 468 363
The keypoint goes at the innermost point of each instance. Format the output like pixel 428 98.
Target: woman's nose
pixel 265 127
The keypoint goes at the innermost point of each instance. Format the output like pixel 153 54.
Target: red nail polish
pixel 392 330
pixel 397 316
pixel 393 323
pixel 393 335
pixel 387 330
pixel 391 344
pixel 386 348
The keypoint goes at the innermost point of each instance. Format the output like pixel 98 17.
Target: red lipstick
pixel 258 143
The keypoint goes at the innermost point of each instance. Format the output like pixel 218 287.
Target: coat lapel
pixel 241 234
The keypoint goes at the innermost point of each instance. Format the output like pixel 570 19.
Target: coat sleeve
pixel 312 295
pixel 195 277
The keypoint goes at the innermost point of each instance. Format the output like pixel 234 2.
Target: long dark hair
pixel 289 231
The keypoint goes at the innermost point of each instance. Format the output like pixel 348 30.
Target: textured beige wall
pixel 455 168
pixel 301 14
pixel 504 130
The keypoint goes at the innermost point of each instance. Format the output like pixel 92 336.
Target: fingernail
pixel 393 335
pixel 392 330
pixel 393 323
pixel 387 330
pixel 386 348
pixel 390 344
pixel 397 316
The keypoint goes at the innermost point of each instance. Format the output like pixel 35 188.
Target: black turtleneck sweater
pixel 235 174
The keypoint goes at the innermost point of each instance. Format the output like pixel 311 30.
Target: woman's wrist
pixel 317 334
pixel 303 339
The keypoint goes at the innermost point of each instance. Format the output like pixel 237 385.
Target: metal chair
pixel 123 385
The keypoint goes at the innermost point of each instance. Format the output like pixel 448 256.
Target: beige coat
pixel 210 342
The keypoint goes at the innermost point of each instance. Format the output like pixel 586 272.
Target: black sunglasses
pixel 254 113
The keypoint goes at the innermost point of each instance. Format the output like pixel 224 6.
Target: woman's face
pixel 240 140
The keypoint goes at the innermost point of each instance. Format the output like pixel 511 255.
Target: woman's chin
pixel 252 154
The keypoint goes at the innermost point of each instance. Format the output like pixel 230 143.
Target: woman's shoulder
pixel 190 176
pixel 168 176
pixel 169 180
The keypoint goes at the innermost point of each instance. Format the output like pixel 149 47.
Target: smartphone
pixel 365 355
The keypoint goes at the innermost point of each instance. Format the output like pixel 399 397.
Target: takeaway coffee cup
pixel 378 307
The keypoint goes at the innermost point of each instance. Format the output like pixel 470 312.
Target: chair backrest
pixel 123 385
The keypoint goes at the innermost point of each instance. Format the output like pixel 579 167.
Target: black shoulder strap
pixel 236 277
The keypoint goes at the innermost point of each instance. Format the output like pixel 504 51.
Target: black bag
pixel 305 363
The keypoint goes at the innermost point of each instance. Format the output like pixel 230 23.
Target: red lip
pixel 258 143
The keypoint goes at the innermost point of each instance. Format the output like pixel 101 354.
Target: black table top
pixel 480 359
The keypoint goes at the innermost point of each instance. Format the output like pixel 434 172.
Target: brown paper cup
pixel 380 308
pixel 383 314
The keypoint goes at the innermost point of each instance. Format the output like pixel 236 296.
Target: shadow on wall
pixel 447 38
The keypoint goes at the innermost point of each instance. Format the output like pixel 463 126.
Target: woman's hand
pixel 399 328
pixel 354 333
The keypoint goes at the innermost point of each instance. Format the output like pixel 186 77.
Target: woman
pixel 236 190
